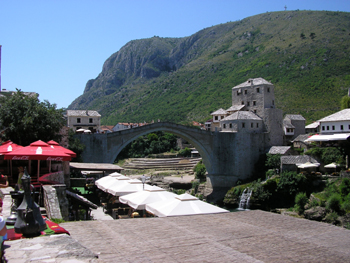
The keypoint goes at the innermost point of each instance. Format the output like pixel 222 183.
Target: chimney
pixel 87 113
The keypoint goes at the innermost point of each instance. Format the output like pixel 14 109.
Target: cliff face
pixel 305 54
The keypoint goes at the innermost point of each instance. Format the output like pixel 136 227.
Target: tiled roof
pixel 297 159
pixel 343 115
pixel 83 113
pixel 313 125
pixel 242 115
pixel 256 81
pixel 297 117
pixel 301 138
pixel 219 111
pixel 287 124
pixel 279 149
pixel 235 108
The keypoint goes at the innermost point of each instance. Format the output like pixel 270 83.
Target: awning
pixel 330 137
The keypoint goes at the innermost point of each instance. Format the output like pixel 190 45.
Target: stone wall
pixel 55 201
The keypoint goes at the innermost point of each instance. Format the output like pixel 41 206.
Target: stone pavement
pixel 249 236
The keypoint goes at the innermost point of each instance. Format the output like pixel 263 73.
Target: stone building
pixel 86 119
pixel 253 111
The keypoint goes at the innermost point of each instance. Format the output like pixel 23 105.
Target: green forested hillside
pixel 305 54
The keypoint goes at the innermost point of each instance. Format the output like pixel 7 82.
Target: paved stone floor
pixel 250 236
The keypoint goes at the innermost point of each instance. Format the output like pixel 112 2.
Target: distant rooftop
pixel 295 117
pixel 235 108
pixel 83 113
pixel 242 115
pixel 219 112
pixel 252 82
pixel 343 115
pixel 279 149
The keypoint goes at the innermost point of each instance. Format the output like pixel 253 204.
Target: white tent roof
pixel 182 205
pixel 121 180
pixel 332 165
pixel 139 200
pixel 128 187
pixel 308 165
pixel 330 137
pixel 104 182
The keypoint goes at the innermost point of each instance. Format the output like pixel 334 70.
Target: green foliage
pixel 300 202
pixel 326 154
pixel 151 143
pixel 273 161
pixel 200 171
pixel 344 187
pixel 76 146
pixel 185 152
pixel 334 203
pixel 345 102
pixel 25 119
pixel 332 218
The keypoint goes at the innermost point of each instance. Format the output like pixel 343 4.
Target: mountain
pixel 305 54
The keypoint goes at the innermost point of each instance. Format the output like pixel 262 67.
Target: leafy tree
pixel 300 202
pixel 185 152
pixel 273 161
pixel 200 171
pixel 345 102
pixel 76 146
pixel 25 119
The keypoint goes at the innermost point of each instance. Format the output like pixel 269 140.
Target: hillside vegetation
pixel 305 54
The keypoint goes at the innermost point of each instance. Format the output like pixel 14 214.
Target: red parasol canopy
pixel 38 150
pixel 9 146
pixel 65 150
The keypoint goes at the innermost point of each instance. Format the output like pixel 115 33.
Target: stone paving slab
pixel 250 236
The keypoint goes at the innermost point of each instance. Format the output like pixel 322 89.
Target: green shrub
pixel 185 152
pixel 200 171
pixel 332 218
pixel 333 203
pixel 300 202
pixel 344 187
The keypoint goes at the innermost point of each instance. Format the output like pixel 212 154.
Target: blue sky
pixel 53 47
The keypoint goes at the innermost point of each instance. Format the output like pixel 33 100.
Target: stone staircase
pixel 161 163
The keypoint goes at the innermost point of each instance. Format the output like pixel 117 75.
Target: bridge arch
pixel 113 143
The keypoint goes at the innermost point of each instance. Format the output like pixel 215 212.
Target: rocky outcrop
pixel 315 213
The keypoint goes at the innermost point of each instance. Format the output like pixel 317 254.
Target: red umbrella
pixel 8 146
pixel 65 150
pixel 38 150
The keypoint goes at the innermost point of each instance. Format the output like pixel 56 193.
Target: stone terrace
pixel 250 236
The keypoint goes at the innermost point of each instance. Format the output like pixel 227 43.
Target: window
pixel 252 125
pixel 222 117
pixel 341 127
pixel 255 111
pixel 242 102
pixel 327 128
pixel 258 90
pixel 273 102
pixel 268 89
pixel 322 128
pixel 257 125
pixel 243 125
pixel 333 127
pixel 248 103
pixel 254 103
pixel 231 125
pixel 224 126
pixel 245 91
pixel 78 120
pixel 91 120
pixel 216 118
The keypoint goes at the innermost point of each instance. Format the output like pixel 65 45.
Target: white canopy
pixel 128 187
pixel 330 137
pixel 103 182
pixel 308 165
pixel 121 180
pixel 182 205
pixel 139 200
pixel 332 165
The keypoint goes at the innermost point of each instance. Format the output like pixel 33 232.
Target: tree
pixel 24 119
pixel 345 102
pixel 273 161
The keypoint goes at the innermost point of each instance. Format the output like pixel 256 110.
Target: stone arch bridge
pixel 227 156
